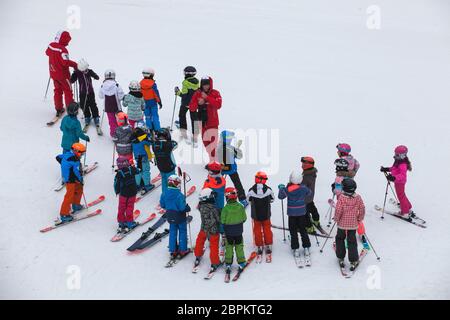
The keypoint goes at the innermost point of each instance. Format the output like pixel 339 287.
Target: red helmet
pixel 230 193
pixel 78 149
pixel 307 163
pixel 214 167
pixel 122 118
pixel 261 177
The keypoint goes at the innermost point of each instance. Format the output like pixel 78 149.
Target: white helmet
pixel 295 177
pixel 206 194
pixel 134 86
pixel 82 65
pixel 148 72
pixel 110 74
pixel 174 181
pixel 141 124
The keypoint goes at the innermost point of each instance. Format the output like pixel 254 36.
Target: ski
pixel 394 202
pixel 75 219
pixel 89 205
pixel 145 235
pixel 227 275
pixel 120 235
pixel 310 233
pixel 212 272
pixel 156 181
pixel 240 270
pixel 410 220
pixel 343 270
pixel 175 259
pixel 139 245
pixel 87 169
pixel 307 255
pixel 99 130
pixel 299 261
pixel 54 120
pixel 362 254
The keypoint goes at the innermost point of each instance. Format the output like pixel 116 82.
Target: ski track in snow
pixel 310 69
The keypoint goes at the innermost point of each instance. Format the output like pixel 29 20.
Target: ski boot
pixel 353 265
pixel 365 243
pixel 66 218
pixel 131 225
pixel 242 266
pixel 307 254
pixel 259 254
pixel 411 214
pixel 341 263
pixel 121 228
pixel 147 188
pixel 60 112
pixel 268 253
pixel 76 208
pixel 197 261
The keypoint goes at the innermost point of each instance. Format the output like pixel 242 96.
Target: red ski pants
pixel 262 232
pixel 62 87
pixel 74 192
pixel 126 208
pixel 210 137
pixel 213 246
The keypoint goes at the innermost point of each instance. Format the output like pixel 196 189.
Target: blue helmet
pixel 227 135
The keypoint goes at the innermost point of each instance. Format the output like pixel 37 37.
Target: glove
pixel 281 186
pixel 160 104
pixel 188 208
pixel 87 139
pixel 390 177
pixel 384 169
pixel 177 90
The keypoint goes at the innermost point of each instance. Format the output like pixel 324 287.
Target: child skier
pixel 210 221
pixel 152 99
pixel 296 211
pixel 260 197
pixel 142 155
pixel 233 217
pixel 84 76
pixel 189 86
pixel 73 178
pixel 343 152
pixel 398 175
pixel 163 146
pixel 309 180
pixel 125 186
pixel 341 173
pixel 71 128
pixel 227 155
pixel 135 104
pixel 350 211
pixel 216 182
pixel 112 93
pixel 174 202
pixel 122 137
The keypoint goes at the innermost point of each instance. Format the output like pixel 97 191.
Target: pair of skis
pixel 77 215
pixel 123 233
pixel 349 273
pixel 417 221
pixel 86 170
pixel 240 270
pixel 97 128
pixel 155 181
pixel 304 259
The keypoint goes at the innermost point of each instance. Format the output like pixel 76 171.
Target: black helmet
pixel 190 71
pixel 341 164
pixel 163 134
pixel 72 109
pixel 349 185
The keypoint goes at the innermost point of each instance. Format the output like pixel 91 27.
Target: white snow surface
pixel 311 69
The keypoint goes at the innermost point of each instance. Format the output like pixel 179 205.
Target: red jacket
pixel 58 57
pixel 350 211
pixel 214 103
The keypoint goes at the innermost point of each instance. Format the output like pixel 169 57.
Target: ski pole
pixel 85 202
pixel 101 121
pixel 282 215
pixel 317 239
pixel 385 197
pixel 371 245
pixel 46 90
pixel 85 155
pixel 189 225
pixel 114 154
pixel 321 250
pixel 173 112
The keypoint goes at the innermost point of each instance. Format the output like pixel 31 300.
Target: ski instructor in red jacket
pixel 206 101
pixel 59 63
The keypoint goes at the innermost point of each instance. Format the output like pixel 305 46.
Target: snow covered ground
pixel 311 72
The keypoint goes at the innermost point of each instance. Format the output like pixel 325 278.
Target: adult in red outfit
pixel 59 63
pixel 206 101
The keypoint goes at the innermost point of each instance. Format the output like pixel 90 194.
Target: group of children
pixel 222 209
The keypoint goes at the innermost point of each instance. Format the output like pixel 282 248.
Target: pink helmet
pixel 401 150
pixel 344 147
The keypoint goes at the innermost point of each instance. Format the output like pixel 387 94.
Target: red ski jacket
pixel 58 57
pixel 213 103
